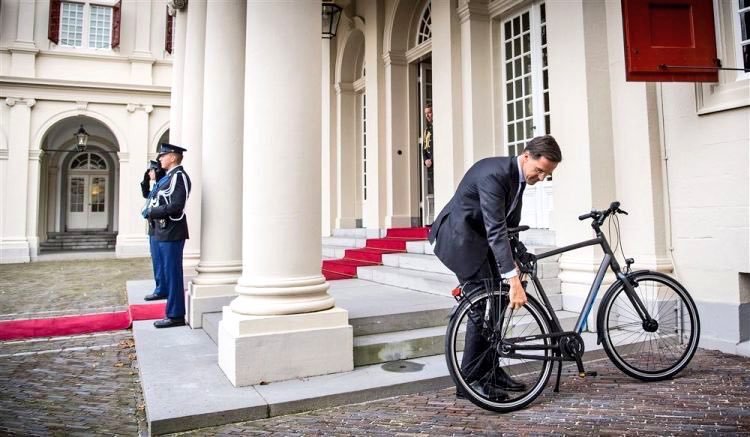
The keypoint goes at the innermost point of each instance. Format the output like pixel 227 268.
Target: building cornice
pixel 416 53
pixel 473 10
pixel 394 58
pixel 99 56
pixel 84 92
pixel 499 7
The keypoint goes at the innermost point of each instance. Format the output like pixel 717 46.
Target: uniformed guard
pixel 171 230
pixel 154 173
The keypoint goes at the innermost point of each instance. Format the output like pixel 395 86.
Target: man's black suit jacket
pixel 475 219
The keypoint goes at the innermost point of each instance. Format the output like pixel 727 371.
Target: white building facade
pixel 496 73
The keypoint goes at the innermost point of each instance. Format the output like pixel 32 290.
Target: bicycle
pixel 647 324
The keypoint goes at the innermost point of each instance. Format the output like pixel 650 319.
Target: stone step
pixel 415 261
pixel 333 252
pixel 346 242
pixel 359 233
pixel 83 232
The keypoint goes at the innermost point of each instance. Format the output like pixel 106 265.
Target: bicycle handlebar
pixel 599 216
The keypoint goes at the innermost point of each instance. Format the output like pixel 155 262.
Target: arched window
pixel 425 24
pixel 88 161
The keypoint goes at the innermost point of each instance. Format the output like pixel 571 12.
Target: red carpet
pixel 79 324
pixel 372 254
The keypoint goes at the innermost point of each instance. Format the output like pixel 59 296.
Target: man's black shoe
pixel 504 380
pixel 489 391
pixel 153 296
pixel 168 323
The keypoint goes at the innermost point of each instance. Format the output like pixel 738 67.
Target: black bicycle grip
pixel 585 216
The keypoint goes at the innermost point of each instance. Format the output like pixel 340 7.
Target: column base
pixel 132 246
pixel 202 299
pixel 255 349
pixel 14 251
pixel 398 221
pixel 346 223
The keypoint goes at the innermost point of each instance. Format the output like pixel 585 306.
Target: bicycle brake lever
pixel 621 211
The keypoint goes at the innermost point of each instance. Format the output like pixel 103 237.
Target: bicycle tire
pixel 644 355
pixel 531 320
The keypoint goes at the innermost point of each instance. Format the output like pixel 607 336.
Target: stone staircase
pixel 78 240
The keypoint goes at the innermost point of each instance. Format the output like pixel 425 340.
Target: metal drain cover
pixel 402 366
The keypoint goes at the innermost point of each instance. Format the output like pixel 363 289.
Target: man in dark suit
pixel 171 230
pixel 471 238
pixel 154 173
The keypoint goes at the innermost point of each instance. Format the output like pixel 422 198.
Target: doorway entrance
pixel 425 144
pixel 88 188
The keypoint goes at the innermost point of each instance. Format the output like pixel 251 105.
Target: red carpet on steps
pixel 372 254
pixel 79 324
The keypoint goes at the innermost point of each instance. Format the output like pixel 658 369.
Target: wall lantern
pixel 82 137
pixel 331 16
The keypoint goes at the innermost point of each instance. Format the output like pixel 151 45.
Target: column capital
pixel 394 58
pixel 473 10
pixel 344 88
pixel 13 101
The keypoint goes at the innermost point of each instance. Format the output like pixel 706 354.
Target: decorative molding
pixel 395 58
pixel 3 154
pixel 416 53
pixel 359 84
pixel 123 156
pixel 344 88
pixel 35 154
pixel 499 7
pixel 473 10
pixel 29 50
pixel 132 107
pixel 13 101
pixel 82 105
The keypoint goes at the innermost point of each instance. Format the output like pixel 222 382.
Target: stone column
pixel 476 75
pixel 132 240
pixel 178 77
pixel 192 125
pixel 400 188
pixel 32 201
pixel 23 50
pixel 446 102
pixel 346 156
pixel 14 244
pixel 373 213
pixel 581 122
pixel 142 60
pixel 328 139
pixel 221 208
pixel 283 317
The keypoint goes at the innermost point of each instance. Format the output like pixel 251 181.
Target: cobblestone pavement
pixel 712 396
pixel 57 288
pixel 81 385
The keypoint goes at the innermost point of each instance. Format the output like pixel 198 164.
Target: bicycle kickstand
pixel 559 373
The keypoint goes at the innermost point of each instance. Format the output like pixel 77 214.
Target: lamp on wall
pixel 82 137
pixel 331 17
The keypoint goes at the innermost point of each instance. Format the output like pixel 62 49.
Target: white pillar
pixel 581 123
pixel 476 75
pixel 141 61
pixel 178 77
pixel 346 156
pixel 14 244
pixel 132 240
pixel 283 317
pixel 32 200
pixel 192 125
pixel 328 142
pixel 221 207
pixel 23 50
pixel 446 102
pixel 374 207
pixel 400 187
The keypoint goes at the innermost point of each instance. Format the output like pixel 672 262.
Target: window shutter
pixel 53 25
pixel 169 34
pixel 669 41
pixel 116 15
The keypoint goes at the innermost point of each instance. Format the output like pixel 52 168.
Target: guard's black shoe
pixel 168 323
pixel 504 380
pixel 153 296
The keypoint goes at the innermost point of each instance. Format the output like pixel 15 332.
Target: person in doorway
pixel 427 152
pixel 171 230
pixel 471 238
pixel 154 174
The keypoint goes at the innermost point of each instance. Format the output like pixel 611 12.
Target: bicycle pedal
pixel 585 374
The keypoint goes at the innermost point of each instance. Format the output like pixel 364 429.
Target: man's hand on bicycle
pixel 517 294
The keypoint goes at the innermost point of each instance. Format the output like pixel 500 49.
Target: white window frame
pixel 731 90
pixel 738 38
pixel 537 94
pixel 85 36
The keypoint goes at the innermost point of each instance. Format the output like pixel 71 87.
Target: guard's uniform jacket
pixel 168 206
pixel 149 193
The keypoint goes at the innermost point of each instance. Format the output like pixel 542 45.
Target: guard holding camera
pixel 154 173
pixel 171 230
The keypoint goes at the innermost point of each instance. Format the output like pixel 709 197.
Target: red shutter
pixel 669 41
pixel 53 25
pixel 169 34
pixel 116 15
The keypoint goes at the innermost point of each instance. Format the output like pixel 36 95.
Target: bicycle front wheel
pixel 655 351
pixel 486 378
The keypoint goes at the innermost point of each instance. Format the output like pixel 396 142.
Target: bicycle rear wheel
pixel 659 351
pixel 488 317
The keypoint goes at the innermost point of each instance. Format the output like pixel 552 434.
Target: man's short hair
pixel 178 157
pixel 546 146
pixel 429 105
